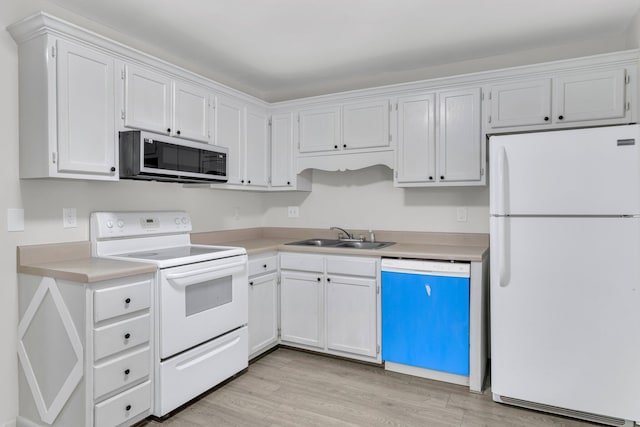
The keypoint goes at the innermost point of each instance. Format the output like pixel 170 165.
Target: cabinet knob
pixel 335 146
pixel 127 301
pixel 546 118
pixel 127 372
pixel 249 182
pixel 178 132
pixel 344 145
pixel 264 265
pixel 560 117
pixel 127 408
pixel 441 176
pixel 168 130
pixel 318 279
pixel 430 178
pixel 127 336
pixel 288 182
pixel 250 283
pixel 242 181
pixel 328 279
pixel 113 168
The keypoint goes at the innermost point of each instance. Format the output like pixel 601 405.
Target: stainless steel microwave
pixel 149 156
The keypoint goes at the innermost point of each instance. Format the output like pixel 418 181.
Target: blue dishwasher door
pixel 425 321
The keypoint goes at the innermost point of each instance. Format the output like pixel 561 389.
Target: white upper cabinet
pixel 365 125
pixel 282 172
pixel 459 136
pixel 147 100
pixel 319 130
pixel 576 98
pixel 86 113
pixel 416 152
pixel 521 103
pixel 191 111
pixel 590 96
pixel 229 132
pixel 257 149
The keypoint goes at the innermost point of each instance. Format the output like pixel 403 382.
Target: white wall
pixel 360 199
pixel 367 199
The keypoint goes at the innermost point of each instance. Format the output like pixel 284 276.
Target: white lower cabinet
pixel 331 304
pixel 263 304
pixel 84 351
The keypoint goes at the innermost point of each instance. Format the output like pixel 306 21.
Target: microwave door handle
pixel 202 275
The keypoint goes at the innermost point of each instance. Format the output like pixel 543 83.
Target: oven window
pixel 208 295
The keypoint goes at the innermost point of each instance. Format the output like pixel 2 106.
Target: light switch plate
pixel 461 214
pixel 69 218
pixel 15 219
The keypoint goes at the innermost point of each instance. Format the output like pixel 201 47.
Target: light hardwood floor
pixel 292 388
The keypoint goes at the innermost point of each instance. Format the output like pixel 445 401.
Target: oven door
pixel 201 301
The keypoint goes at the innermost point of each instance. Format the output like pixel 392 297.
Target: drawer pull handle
pixel 127 301
pixel 127 371
pixel 127 336
pixel 127 408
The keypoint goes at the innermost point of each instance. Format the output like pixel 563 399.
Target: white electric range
pixel 200 300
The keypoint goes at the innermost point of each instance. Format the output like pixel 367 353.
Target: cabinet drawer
pixel 367 267
pixel 120 372
pixel 302 262
pixel 124 406
pixel 116 301
pixel 113 338
pixel 263 265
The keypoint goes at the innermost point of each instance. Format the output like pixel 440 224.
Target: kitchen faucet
pixel 344 232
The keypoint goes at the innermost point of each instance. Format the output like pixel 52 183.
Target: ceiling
pixel 283 49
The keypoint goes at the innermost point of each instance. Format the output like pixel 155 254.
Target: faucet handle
pixel 372 236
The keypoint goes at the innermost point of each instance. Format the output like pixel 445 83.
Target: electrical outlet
pixel 15 219
pixel 293 211
pixel 69 218
pixel 461 214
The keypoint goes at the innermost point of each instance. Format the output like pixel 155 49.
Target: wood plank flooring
pixel 292 388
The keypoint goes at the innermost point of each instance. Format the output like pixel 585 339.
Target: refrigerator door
pixel 572 172
pixel 565 327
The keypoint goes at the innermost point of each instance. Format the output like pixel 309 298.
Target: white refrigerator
pixel 565 272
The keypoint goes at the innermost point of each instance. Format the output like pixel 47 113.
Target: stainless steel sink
pixel 364 245
pixel 352 244
pixel 316 242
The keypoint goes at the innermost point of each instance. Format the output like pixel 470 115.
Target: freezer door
pixel 565 327
pixel 572 172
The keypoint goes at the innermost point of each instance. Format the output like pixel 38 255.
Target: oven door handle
pixel 202 275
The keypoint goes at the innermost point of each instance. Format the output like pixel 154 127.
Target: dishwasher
pixel 425 318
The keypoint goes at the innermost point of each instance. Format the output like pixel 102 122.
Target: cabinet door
pixel 302 308
pixel 282 174
pixel 365 125
pixel 590 96
pixel 230 134
pixel 520 103
pixel 257 149
pixel 319 130
pixel 459 136
pixel 190 112
pixel 352 315
pixel 86 118
pixel 147 100
pixel 416 160
pixel 263 312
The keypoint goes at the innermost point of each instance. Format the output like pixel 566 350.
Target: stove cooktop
pixel 173 253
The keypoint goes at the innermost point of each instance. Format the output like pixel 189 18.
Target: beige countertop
pixel 438 246
pixel 73 261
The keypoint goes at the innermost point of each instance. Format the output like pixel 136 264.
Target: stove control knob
pixel 185 220
pixel 120 223
pixel 177 221
pixel 109 224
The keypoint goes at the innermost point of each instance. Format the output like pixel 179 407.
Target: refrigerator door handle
pixel 502 181
pixel 503 255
